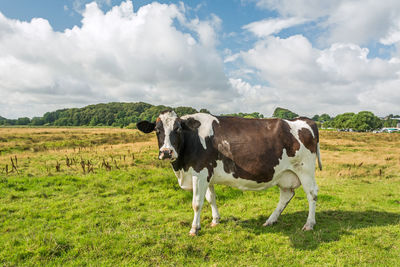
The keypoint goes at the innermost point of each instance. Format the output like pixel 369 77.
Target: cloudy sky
pixel 311 56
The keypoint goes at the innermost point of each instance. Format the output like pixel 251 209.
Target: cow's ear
pixel 146 126
pixel 190 124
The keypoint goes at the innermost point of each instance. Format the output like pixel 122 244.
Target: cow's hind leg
pixel 285 196
pixel 210 196
pixel 200 186
pixel 287 183
pixel 311 189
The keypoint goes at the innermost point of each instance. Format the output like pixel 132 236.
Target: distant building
pixel 388 130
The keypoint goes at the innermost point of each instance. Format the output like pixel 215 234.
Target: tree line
pixel 128 114
pixel 111 114
pixel 362 121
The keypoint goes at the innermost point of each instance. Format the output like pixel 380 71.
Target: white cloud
pixel 267 27
pixel 337 79
pixel 393 35
pixel 310 9
pixel 206 30
pixel 354 21
pixel 252 98
pixel 361 22
pixel 284 62
pixel 120 55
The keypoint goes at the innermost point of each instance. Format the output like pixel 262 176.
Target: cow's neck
pixel 190 151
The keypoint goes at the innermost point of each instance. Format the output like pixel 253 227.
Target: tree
pixel 203 110
pixel 365 121
pixel 284 113
pixel 23 121
pixel 254 115
pixel 37 121
pixel 324 117
pixel 315 117
pixel 343 121
pixel 361 122
pixel 2 120
pixel 181 111
pixel 94 121
pixel 390 123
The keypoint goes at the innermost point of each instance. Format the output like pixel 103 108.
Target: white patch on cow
pixel 185 179
pixel 205 129
pixel 224 178
pixel 225 149
pixel 168 121
pixel 289 180
pixel 296 126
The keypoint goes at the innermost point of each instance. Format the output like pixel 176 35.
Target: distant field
pixel 83 196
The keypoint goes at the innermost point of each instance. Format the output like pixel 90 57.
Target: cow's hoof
pixel 308 227
pixel 213 224
pixel 193 232
pixel 268 223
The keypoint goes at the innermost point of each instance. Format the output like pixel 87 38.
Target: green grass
pixel 138 215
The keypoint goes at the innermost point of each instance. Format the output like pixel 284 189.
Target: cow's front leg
pixel 210 196
pixel 200 186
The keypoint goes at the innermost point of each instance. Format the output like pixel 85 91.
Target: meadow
pixel 100 197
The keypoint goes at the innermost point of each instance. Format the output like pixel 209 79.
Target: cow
pixel 249 154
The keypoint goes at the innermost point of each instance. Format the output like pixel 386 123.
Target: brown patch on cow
pixel 312 125
pixel 255 146
pixel 307 139
pixel 158 119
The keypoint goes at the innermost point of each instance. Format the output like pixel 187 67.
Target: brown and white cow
pixel 249 154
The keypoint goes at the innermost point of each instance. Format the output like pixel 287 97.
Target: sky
pixel 310 56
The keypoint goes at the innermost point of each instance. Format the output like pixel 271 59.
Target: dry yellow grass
pixel 350 155
pixel 41 151
pixel 360 155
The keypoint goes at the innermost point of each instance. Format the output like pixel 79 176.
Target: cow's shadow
pixel 331 225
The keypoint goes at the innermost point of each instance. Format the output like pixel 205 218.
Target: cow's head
pixel 170 133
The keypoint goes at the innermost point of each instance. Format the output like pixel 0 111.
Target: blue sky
pixel 309 56
pixel 62 14
pixel 66 14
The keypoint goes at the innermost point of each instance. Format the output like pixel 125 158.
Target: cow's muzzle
pixel 166 154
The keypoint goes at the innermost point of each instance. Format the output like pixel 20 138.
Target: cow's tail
pixel 319 157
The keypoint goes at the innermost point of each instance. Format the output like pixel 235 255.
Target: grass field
pixel 99 197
